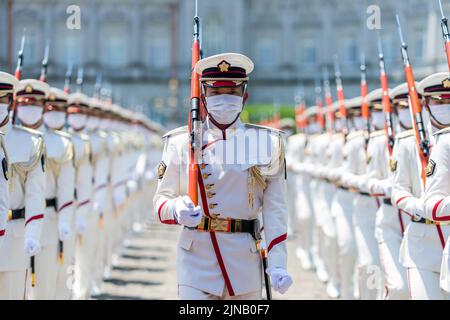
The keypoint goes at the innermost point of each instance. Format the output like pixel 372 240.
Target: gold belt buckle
pixel 219 225
pixel 428 221
pixel 9 215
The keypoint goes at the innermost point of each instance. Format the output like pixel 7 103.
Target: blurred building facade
pixel 142 47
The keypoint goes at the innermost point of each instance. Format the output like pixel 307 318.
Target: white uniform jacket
pixel 208 261
pixel 26 151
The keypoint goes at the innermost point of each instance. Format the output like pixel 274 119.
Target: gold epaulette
pixel 354 134
pixel 442 131
pixel 251 125
pixel 63 134
pixel 28 130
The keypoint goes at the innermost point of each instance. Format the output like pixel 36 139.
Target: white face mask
pixel 404 116
pixel 3 111
pixel 77 120
pixel 30 115
pixel 378 119
pixel 441 113
pixel 92 123
pixel 358 123
pixel 55 119
pixel 313 128
pixel 105 124
pixel 224 108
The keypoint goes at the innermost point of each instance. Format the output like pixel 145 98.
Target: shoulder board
pixel 62 134
pixel 296 136
pixel 442 131
pixel 355 134
pixel 28 130
pixel 175 131
pixel 405 134
pixel 377 133
pixel 251 125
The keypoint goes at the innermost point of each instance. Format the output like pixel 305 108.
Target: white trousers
pixel 66 272
pixel 190 293
pixel 13 285
pixel 396 287
pixel 424 285
pixel 46 269
pixel 342 208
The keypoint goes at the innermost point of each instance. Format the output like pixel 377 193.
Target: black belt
pixel 51 203
pixel 387 201
pixel 229 225
pixel 424 220
pixel 364 193
pixel 344 188
pixel 16 214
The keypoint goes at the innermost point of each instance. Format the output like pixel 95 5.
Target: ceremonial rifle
pixel 319 103
pixel 445 34
pixel 80 80
pixel 328 98
pixel 364 104
pixel 18 73
pixel 388 126
pixel 419 128
pixel 44 67
pixel 194 121
pixel 340 95
pixel 68 77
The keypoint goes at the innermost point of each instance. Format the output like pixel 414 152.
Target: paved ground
pixel 146 269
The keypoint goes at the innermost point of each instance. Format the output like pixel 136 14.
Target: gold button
pixel 9 214
pixel 209 186
pixel 203 166
pixel 205 176
pixel 210 194
pixel 212 205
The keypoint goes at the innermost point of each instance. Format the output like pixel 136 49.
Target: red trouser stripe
pixel 400 218
pixel 441 236
pixel 213 236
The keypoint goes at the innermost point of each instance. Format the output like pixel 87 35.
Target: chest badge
pixel 161 169
pixel 431 166
pixel 393 164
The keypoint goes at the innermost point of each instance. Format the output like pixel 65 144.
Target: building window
pixel 309 52
pixel 70 47
pixel 350 51
pixel 214 37
pixel 114 48
pixel 266 53
pixel 158 47
pixel 419 47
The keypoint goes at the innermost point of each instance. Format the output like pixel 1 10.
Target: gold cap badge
pixel 446 83
pixel 28 89
pixel 224 66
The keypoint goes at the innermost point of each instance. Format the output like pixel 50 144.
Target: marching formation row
pixel 77 173
pixel 371 183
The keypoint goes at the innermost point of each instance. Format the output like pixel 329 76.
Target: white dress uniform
pixel 296 154
pixel 342 209
pixel 84 217
pixel 100 168
pixel 27 203
pixel 437 200
pixel 221 262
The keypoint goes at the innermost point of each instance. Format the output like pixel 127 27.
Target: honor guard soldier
pixel 100 166
pixel 8 84
pixel 437 192
pixel 217 257
pixel 435 90
pixel 59 184
pixel 85 220
pixel 60 188
pixel 26 150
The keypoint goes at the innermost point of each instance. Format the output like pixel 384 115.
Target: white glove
pixel 280 279
pixel 387 188
pixel 417 208
pixel 32 247
pixel 185 212
pixel 81 226
pixel 64 231
pixel 119 199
